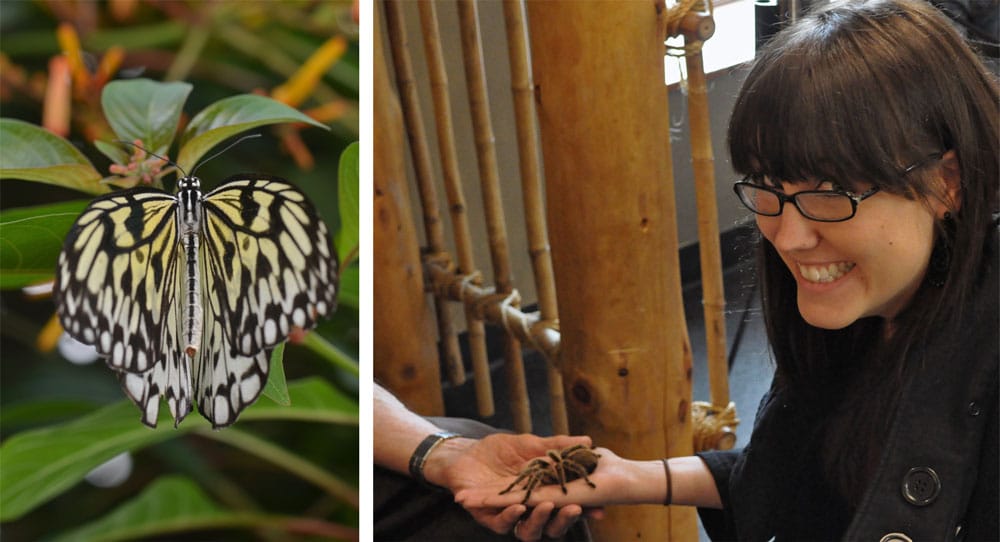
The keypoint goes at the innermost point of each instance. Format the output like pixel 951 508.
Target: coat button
pixel 921 486
pixel 974 409
pixel 895 537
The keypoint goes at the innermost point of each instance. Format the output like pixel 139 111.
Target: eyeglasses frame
pixel 854 198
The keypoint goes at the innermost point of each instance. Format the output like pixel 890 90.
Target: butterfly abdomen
pixel 189 218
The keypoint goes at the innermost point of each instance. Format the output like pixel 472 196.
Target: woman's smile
pixel 823 273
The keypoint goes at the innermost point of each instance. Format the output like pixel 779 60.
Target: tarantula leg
pixel 535 480
pixel 516 481
pixel 561 472
pixel 581 472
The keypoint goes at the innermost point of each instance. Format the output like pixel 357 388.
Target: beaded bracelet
pixel 423 450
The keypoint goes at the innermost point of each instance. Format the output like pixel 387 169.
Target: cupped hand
pixel 613 477
pixel 495 458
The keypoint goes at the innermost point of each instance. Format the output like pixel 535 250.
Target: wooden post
pixel 406 360
pixel 603 113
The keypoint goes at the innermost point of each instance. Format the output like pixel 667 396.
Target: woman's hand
pixel 463 465
pixel 618 481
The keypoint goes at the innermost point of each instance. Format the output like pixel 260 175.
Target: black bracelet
pixel 425 448
pixel 670 486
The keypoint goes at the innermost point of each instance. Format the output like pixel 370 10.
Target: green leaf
pixel 146 110
pixel 301 467
pixel 347 186
pixel 113 151
pixel 168 505
pixel 174 504
pixel 30 241
pixel 40 464
pixel 34 413
pixel 31 153
pixel 276 389
pixel 230 116
pixel 349 282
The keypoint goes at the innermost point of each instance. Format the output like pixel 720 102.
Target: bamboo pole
pixel 696 28
pixel 602 109
pixel 405 362
pixel 531 189
pixel 496 228
pixel 475 330
pixel 422 168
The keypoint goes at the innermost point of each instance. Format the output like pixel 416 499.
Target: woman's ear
pixel 950 176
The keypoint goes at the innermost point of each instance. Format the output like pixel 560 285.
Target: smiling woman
pixel 880 129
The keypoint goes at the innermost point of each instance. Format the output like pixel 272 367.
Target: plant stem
pixel 305 469
pixel 329 352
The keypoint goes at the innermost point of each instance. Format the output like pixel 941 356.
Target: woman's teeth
pixel 824 273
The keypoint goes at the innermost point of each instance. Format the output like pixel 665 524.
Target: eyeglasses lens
pixel 830 206
pixel 825 206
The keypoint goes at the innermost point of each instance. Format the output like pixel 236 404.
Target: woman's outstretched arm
pixel 618 481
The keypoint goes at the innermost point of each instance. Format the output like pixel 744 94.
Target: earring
pixel 937 269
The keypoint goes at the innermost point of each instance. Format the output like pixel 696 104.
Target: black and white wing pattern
pixel 266 265
pixel 117 287
pixel 269 266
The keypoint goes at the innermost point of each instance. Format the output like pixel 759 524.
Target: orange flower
pixel 300 86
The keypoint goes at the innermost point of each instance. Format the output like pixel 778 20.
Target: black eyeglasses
pixel 819 205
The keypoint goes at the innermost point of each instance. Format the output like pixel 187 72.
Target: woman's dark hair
pixel 855 94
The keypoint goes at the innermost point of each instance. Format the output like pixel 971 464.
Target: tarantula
pixel 567 465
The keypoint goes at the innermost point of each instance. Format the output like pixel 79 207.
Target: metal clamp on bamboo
pixel 714 427
pixel 496 308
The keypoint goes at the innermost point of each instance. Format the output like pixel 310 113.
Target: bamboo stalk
pixel 475 330
pixel 531 189
pixel 422 168
pixel 405 363
pixel 697 28
pixel 475 78
pixel 604 125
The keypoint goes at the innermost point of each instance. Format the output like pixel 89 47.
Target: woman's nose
pixel 790 230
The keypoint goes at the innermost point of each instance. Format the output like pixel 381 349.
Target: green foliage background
pixel 288 469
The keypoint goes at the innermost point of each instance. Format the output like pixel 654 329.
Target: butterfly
pixel 186 295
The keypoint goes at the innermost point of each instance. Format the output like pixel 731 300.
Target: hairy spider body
pixel 566 465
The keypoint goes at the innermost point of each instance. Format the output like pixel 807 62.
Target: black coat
pixel 937 479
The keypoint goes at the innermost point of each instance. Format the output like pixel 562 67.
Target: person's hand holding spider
pixel 461 464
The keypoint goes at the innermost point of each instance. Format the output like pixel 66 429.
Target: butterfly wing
pixel 116 287
pixel 268 265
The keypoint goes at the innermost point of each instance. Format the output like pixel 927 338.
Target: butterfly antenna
pixel 231 145
pixel 167 160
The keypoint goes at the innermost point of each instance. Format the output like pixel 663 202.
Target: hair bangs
pixel 820 105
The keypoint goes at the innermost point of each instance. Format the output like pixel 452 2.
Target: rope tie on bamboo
pixel 714 426
pixel 677 12
pixel 689 49
pixel 506 301
pixel 467 281
pixel 441 260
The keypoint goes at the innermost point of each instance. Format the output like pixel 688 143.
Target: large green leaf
pixel 168 505
pixel 347 237
pixel 174 504
pixel 42 463
pixel 228 117
pixel 146 110
pixel 31 153
pixel 30 241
